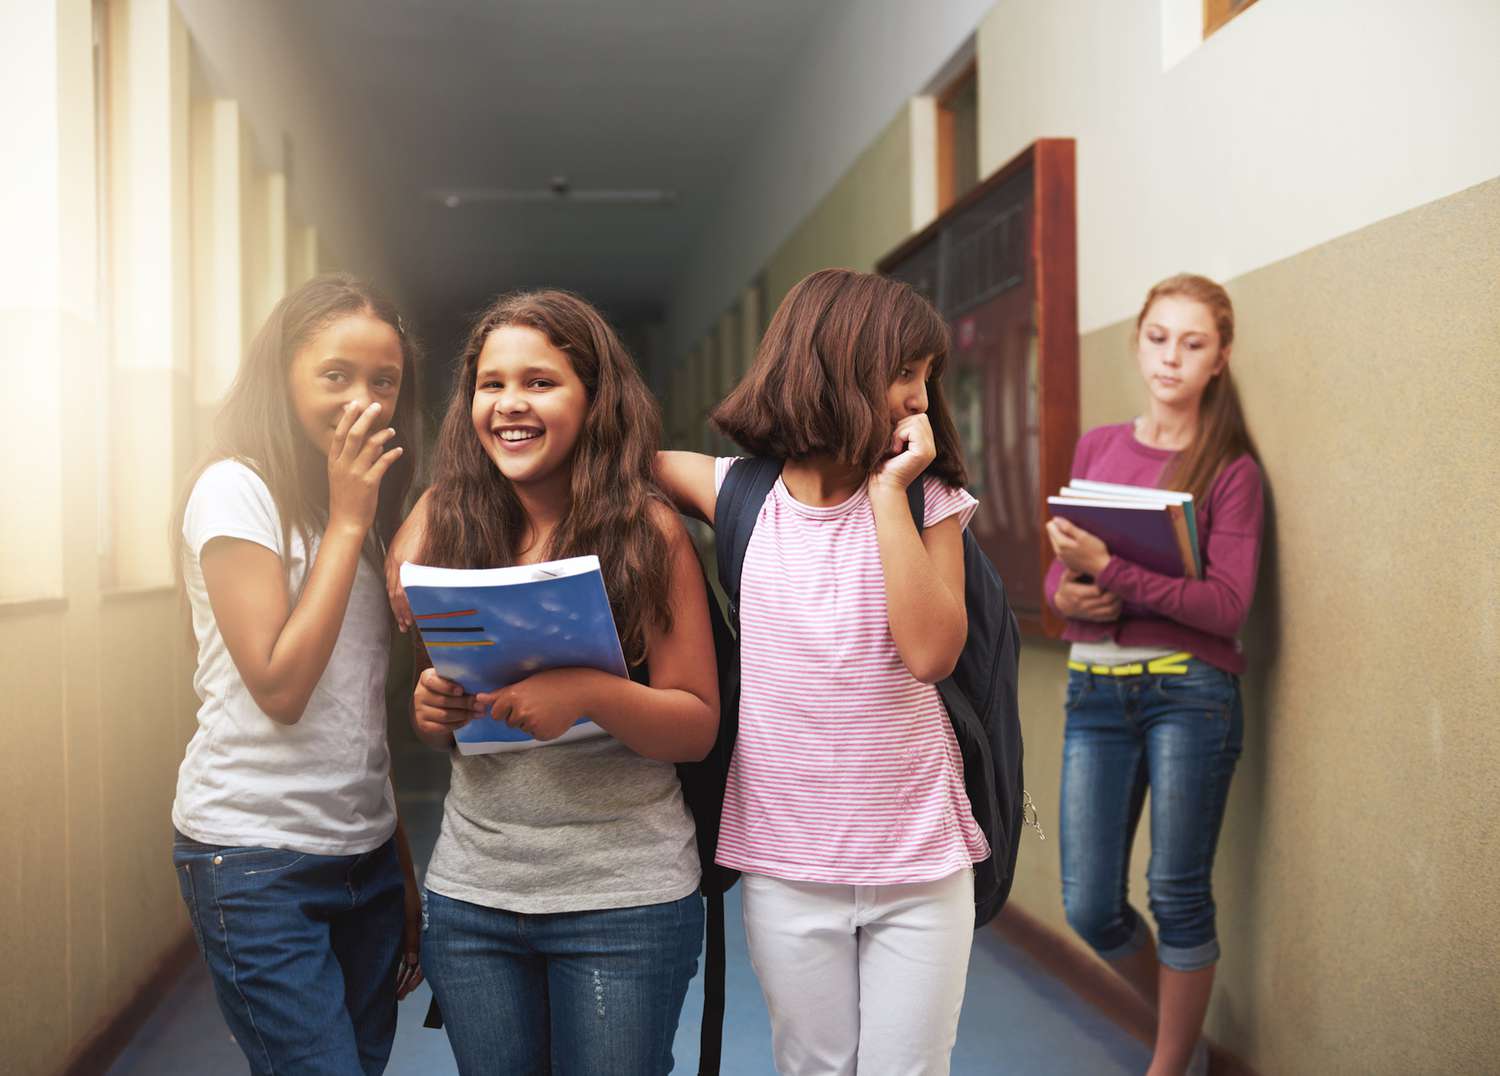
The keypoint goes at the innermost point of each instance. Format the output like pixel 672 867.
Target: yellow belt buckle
pixel 1172 664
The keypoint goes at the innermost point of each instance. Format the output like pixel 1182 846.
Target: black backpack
pixel 980 696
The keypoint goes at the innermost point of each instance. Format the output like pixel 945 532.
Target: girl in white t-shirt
pixel 288 851
pixel 844 806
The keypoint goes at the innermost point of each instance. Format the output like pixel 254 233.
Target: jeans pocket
pixel 1202 687
pixel 1079 685
pixel 248 862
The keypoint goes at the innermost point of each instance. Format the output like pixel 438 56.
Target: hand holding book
pixel 544 705
pixel 510 646
pixel 1082 552
pixel 1080 598
pixel 440 708
pixel 1154 528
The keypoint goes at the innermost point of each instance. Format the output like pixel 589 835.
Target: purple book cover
pixel 1143 535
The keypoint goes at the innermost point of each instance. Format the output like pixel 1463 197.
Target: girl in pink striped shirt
pixel 845 805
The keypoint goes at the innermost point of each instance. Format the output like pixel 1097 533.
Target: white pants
pixel 861 979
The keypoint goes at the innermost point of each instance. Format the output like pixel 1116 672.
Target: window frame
pixel 947 179
pixel 1219 13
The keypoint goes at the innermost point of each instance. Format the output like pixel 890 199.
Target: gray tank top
pixel 572 827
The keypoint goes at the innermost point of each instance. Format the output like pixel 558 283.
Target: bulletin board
pixel 1001 267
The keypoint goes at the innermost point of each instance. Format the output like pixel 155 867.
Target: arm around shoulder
pixel 688 479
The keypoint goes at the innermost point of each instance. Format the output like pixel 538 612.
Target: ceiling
pixel 656 94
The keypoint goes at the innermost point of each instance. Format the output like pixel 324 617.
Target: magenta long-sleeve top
pixel 1201 616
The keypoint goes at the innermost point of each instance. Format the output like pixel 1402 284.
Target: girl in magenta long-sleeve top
pixel 1153 684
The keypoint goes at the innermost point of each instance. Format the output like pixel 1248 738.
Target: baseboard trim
pixel 97 1052
pixel 1070 963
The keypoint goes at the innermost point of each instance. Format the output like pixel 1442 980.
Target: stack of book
pixel 1155 528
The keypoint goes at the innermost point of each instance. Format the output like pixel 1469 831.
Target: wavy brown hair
pixel 1223 435
pixel 475 519
pixel 818 384
pixel 257 425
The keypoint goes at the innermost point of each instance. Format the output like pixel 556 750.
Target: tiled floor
pixel 1015 1019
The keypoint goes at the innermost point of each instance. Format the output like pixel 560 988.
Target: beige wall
pixel 1357 864
pixel 864 216
pixel 1360 857
pixel 106 392
pixel 1296 123
pixel 98 705
pixel 1358 861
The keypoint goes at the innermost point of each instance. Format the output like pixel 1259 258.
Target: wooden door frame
pixel 1054 268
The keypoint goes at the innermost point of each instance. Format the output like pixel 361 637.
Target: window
pixel 1216 13
pixel 106 525
pixel 1186 24
pixel 958 137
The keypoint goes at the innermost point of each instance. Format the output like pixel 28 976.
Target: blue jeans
pixel 1179 735
pixel 302 949
pixel 569 992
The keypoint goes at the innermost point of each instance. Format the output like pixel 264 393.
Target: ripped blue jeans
pixel 566 992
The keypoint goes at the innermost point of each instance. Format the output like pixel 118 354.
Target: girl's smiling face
pixel 1177 349
pixel 357 359
pixel 529 405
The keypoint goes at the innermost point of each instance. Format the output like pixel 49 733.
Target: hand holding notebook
pixel 489 629
pixel 1154 528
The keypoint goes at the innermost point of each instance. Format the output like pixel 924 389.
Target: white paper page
pixel 1115 489
pixel 424 575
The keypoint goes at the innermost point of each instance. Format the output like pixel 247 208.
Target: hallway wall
pixel 1333 164
pixel 1294 124
pixel 146 236
pixel 1360 854
pixel 1356 837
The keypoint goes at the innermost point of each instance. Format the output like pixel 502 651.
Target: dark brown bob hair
pixel 475 518
pixel 819 381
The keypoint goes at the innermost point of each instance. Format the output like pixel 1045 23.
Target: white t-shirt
pixel 322 785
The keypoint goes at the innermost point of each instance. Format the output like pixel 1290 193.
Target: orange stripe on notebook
pixel 439 616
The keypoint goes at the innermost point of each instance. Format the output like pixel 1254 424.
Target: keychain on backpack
pixel 1028 814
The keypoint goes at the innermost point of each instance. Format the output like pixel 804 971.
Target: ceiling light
pixel 558 191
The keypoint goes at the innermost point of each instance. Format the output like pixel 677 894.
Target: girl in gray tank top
pixel 564 922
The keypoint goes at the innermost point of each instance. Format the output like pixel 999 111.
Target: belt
pixel 1170 665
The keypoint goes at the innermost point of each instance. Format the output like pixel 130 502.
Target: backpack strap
pixel 916 496
pixel 743 492
pixel 711 1032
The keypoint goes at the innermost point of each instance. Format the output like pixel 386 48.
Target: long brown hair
pixel 1222 435
pixel 475 518
pixel 818 384
pixel 257 425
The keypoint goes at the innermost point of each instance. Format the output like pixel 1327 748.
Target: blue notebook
pixel 488 628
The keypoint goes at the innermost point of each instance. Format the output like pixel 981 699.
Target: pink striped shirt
pixel 846 769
